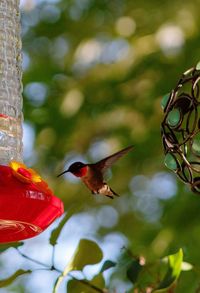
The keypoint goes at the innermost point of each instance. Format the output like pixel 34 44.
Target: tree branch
pixel 50 268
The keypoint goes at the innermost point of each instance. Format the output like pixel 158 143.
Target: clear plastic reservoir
pixel 10 82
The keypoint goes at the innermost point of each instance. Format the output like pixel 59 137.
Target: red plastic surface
pixel 25 209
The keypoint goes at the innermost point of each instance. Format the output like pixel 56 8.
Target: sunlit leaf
pixel 125 259
pixel 8 281
pixel 107 265
pixel 186 266
pixel 133 271
pixel 87 253
pixel 5 246
pixel 198 66
pixel 98 281
pixel 74 286
pixel 173 272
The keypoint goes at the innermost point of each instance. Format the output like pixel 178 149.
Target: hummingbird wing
pixel 106 163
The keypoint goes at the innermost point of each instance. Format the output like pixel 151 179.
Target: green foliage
pixel 133 271
pixel 5 246
pixel 107 265
pixel 144 275
pixel 186 266
pixel 174 270
pixel 6 282
pixel 75 286
pixel 136 269
pixel 98 281
pixel 87 253
pixel 198 66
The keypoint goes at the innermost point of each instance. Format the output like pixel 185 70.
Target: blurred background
pixel 94 75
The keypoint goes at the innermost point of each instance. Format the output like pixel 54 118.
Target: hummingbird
pixel 92 175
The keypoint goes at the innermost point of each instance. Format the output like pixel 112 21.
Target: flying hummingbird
pixel 92 174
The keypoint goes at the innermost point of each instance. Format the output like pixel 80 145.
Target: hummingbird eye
pixel 75 166
pixel 78 165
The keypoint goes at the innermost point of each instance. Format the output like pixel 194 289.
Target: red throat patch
pixel 81 172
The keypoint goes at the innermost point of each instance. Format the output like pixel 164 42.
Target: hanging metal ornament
pixel 180 128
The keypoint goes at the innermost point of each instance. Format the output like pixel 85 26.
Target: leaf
pixel 186 266
pixel 107 265
pixel 74 286
pixel 5 246
pixel 56 232
pixel 98 281
pixel 125 259
pixel 87 253
pixel 173 272
pixel 84 286
pixel 8 281
pixel 133 271
pixel 198 66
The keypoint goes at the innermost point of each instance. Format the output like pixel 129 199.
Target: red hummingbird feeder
pixel 27 205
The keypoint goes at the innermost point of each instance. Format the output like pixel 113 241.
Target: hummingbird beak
pixel 62 173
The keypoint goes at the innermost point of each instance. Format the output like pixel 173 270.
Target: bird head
pixel 78 169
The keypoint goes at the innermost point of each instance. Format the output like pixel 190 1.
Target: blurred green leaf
pixel 87 253
pixel 74 286
pixel 107 265
pixel 186 266
pixel 8 281
pixel 133 271
pixel 125 259
pixel 173 272
pixel 98 281
pixel 198 66
pixel 5 246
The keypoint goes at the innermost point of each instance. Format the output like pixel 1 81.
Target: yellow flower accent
pixel 24 174
pixel 27 175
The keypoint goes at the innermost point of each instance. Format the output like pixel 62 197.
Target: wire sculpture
pixel 180 128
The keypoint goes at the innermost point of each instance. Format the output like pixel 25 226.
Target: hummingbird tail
pixel 110 196
pixel 114 192
pixel 107 191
